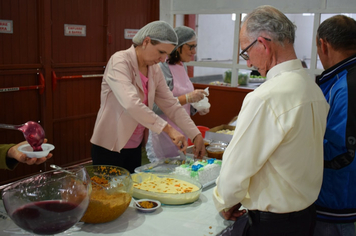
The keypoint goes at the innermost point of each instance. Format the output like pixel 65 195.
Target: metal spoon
pixel 69 172
pixel 32 131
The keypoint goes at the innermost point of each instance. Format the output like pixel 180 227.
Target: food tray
pixel 163 166
pixel 166 198
pixel 167 166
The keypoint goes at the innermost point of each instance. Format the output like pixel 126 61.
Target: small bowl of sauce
pixel 147 205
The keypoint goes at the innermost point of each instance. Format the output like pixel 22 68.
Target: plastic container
pixel 207 142
pixel 215 152
pixel 28 150
pixel 202 130
pixel 243 77
pixel 218 144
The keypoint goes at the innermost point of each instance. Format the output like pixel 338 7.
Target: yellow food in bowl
pixel 147 204
pixel 166 188
pixel 166 185
pixel 108 203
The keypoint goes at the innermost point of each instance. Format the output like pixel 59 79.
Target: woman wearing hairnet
pixel 132 83
pixel 159 146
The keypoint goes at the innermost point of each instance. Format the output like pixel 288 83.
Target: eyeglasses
pixel 244 54
pixel 191 47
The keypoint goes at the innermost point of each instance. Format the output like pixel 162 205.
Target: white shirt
pixel 274 161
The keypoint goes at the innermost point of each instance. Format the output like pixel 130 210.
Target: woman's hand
pixel 204 112
pixel 14 153
pixel 199 146
pixel 177 138
pixel 195 96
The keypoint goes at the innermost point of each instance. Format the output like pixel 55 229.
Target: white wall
pixel 218 42
pixel 215 37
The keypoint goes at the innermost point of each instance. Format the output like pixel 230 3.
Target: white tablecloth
pixel 199 219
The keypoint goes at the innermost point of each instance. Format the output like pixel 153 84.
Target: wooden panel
pixel 76 101
pixel 225 104
pixel 18 108
pixel 76 49
pixel 72 136
pixel 75 97
pixel 21 46
pixel 132 14
pixel 19 60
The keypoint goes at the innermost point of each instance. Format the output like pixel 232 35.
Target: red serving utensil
pixel 32 131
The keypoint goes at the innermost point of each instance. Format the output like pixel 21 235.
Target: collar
pixel 132 57
pixel 290 65
pixel 329 73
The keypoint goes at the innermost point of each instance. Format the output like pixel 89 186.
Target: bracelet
pixel 186 98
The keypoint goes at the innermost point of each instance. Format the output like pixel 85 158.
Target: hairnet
pixel 185 35
pixel 156 30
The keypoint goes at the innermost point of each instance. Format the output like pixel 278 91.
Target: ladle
pixel 32 131
pixel 69 172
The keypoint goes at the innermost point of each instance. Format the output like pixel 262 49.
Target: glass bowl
pixel 111 197
pixel 165 198
pixel 48 203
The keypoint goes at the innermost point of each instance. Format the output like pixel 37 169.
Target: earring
pixel 143 47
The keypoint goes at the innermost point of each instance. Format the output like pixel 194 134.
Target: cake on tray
pixel 204 171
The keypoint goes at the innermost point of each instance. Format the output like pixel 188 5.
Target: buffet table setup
pixel 197 218
pixel 172 196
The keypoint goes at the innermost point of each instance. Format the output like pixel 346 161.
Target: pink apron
pixel 162 144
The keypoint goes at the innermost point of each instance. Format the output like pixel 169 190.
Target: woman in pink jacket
pixel 132 83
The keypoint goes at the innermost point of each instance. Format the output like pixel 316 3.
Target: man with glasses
pixel 336 205
pixel 273 165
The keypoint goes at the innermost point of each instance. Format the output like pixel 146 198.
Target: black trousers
pixel 258 223
pixel 300 223
pixel 126 158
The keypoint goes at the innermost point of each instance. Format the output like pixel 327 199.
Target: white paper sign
pixel 6 26
pixel 130 33
pixel 75 30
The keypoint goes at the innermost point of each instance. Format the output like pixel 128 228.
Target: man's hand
pixel 21 157
pixel 233 213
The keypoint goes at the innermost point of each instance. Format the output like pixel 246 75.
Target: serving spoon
pixel 69 172
pixel 32 131
pixel 137 204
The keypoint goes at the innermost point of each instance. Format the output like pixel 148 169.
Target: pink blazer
pixel 121 107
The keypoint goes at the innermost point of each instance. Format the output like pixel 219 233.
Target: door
pixel 51 75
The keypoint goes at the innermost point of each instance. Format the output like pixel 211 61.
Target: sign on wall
pixel 75 30
pixel 6 26
pixel 130 33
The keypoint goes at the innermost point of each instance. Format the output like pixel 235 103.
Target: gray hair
pixel 339 31
pixel 271 21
